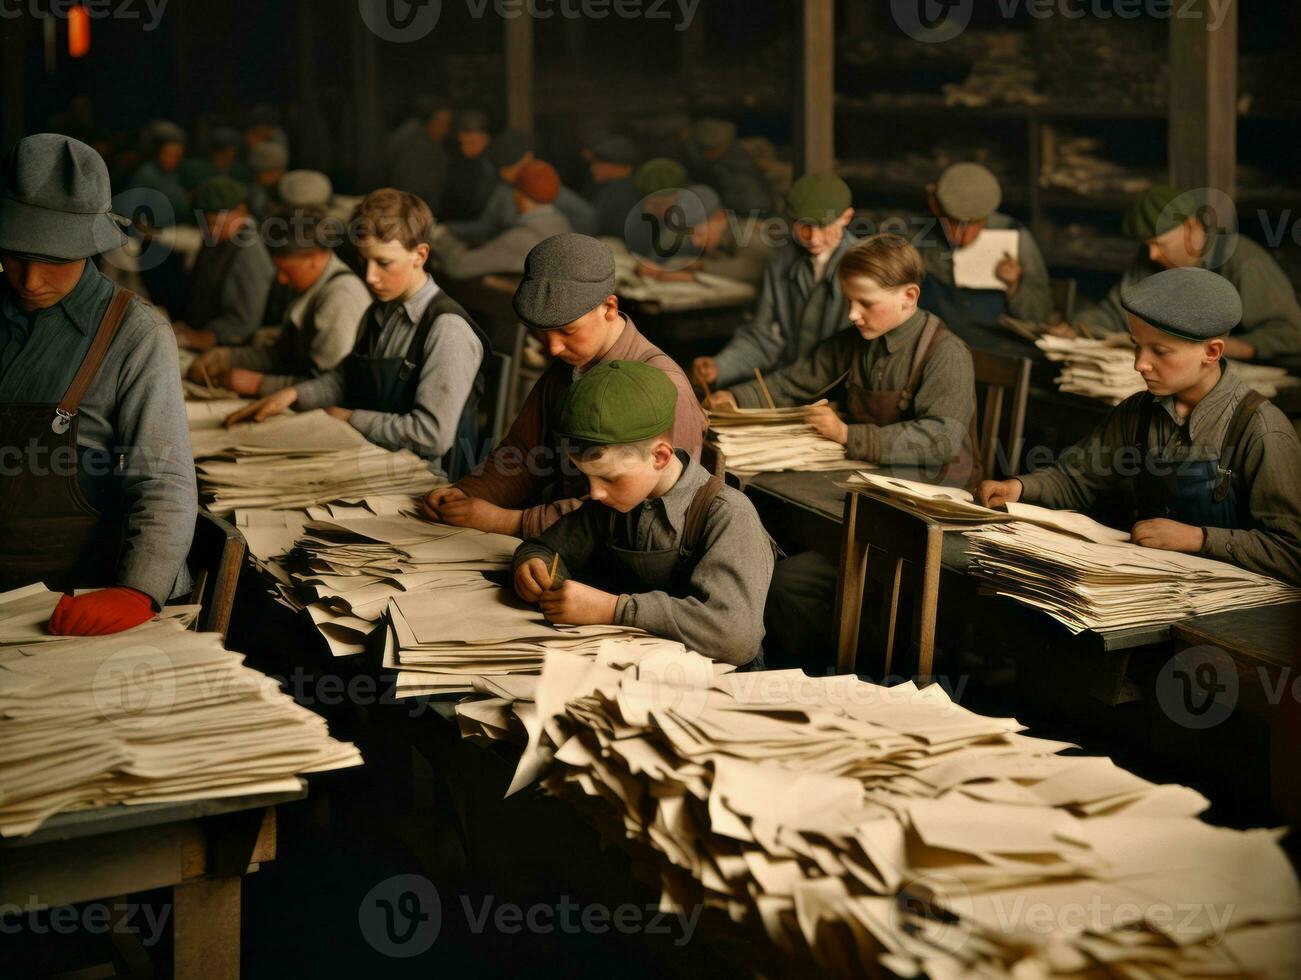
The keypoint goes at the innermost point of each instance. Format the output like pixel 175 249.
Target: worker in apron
pixel 97 485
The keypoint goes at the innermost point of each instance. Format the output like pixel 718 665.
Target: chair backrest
pixel 713 459
pixel 1002 389
pixel 493 417
pixel 216 555
pixel 523 377
pixel 1064 290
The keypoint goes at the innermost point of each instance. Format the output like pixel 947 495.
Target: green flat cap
pixel 713 135
pixel 219 194
pixel 268 155
pixel 968 192
pixel 565 278
pixel 617 403
pixel 660 174
pixel 1192 304
pixel 1157 210
pixel 819 198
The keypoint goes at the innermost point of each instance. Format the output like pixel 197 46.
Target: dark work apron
pixel 292 351
pixel 970 313
pixel 1201 493
pixel 883 408
pixel 61 516
pixel 210 273
pixel 389 384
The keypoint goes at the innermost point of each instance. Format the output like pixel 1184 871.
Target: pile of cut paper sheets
pixel 152 715
pixel 769 440
pixel 1104 369
pixel 293 461
pixel 857 828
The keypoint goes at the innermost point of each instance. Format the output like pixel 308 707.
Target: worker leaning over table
pixel 97 485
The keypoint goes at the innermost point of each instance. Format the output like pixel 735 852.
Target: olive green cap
pixel 1157 210
pixel 219 194
pixel 660 174
pixel 968 192
pixel 818 198
pixel 618 403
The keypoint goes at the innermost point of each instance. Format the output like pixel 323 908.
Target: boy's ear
pixel 662 453
pixel 1214 350
pixel 913 292
pixel 422 250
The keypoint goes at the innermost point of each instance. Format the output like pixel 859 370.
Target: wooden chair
pixel 216 554
pixel 523 376
pixel 1064 291
pixel 713 459
pixel 494 414
pixel 1002 389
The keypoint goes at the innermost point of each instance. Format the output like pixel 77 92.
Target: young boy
pixel 909 388
pixel 722 242
pixel 415 377
pixel 320 327
pixel 685 555
pixel 1217 466
pixel 800 302
pixel 527 482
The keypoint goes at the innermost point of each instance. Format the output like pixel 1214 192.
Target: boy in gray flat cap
pixel 98 488
pixel 721 243
pixel 1215 467
pixel 965 202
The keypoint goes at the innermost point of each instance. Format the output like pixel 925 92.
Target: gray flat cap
pixel 968 192
pixel 268 155
pixel 565 277
pixel 305 188
pixel 712 135
pixel 616 149
pixel 1193 304
pixel 699 202
pixel 56 201
pixel 161 132
pixel 509 147
pixel 471 121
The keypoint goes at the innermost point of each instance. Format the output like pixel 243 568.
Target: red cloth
pixel 101 613
pixel 539 181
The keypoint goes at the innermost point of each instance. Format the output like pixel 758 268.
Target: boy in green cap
pixel 660 545
pixel 1176 234
pixel 800 301
pixel 1213 466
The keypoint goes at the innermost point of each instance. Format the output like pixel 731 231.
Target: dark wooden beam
pixel 519 72
pixel 1204 96
pixel 366 106
pixel 817 97
pixel 13 115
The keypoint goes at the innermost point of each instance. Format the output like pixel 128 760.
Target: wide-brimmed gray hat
pixel 56 201
pixel 565 278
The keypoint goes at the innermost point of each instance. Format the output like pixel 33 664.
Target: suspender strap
pixel 1234 435
pixel 1145 412
pixel 108 328
pixel 932 334
pixel 693 524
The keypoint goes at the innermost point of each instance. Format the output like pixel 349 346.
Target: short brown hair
pixel 389 215
pixel 889 260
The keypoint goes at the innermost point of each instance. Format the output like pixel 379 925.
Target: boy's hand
pixel 242 381
pixel 704 371
pixel 264 408
pixel 191 339
pixel 1239 349
pixel 211 367
pixel 454 507
pixel 342 414
pixel 720 399
pixel 1168 535
pixel 1008 272
pixel 532 580
pixel 996 493
pixel 576 604
pixel 827 423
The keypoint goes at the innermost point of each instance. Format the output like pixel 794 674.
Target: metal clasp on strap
pixel 62 421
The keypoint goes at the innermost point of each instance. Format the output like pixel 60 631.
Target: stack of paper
pixel 858 827
pixel 294 461
pixel 1113 585
pixel 156 714
pixel 768 440
pixel 1104 369
pixel 705 291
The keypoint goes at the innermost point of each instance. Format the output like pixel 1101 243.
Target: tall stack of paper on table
pixel 768 440
pixel 293 461
pixel 860 827
pixel 1104 369
pixel 156 714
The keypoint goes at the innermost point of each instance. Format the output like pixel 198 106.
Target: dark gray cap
pixel 509 148
pixel 1192 304
pixel 471 121
pixel 160 132
pixel 615 149
pixel 56 201
pixel 565 278
pixel 699 203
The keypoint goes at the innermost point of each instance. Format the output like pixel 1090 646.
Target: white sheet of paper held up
pixel 973 266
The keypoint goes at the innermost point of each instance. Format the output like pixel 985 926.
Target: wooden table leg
pixel 849 590
pixel 928 606
pixel 206 929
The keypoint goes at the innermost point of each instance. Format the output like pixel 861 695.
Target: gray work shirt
pixel 504 254
pixel 499 214
pixel 943 404
pixel 453 356
pixel 133 407
pixel 1033 301
pixel 1270 471
pixel 717 609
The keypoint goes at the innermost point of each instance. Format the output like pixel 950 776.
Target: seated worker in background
pixel 268 160
pixel 471 177
pixel 416 157
pixel 320 328
pixel 510 152
pixel 1177 234
pixel 721 243
pixel 221 160
pixel 800 300
pixel 90 374
pixel 233 274
pixel 614 193
pixel 536 219
pixel 648 231
pixel 1218 467
pixel 910 392
pixel 965 202
pixel 567 299
pixel 659 545
pixel 725 165
pixel 164 145
pixel 415 377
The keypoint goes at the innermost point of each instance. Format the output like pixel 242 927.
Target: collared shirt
pixel 134 407
pixel 499 214
pixel 453 357
pixel 1033 300
pixel 742 254
pixel 943 404
pixel 1270 471
pixel 719 610
pixel 505 253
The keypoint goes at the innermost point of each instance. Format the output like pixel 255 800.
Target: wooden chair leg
pixel 206 929
pixel 928 606
pixel 849 590
pixel 893 589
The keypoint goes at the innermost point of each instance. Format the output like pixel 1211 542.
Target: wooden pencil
pixel 764 385
pixel 551 572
